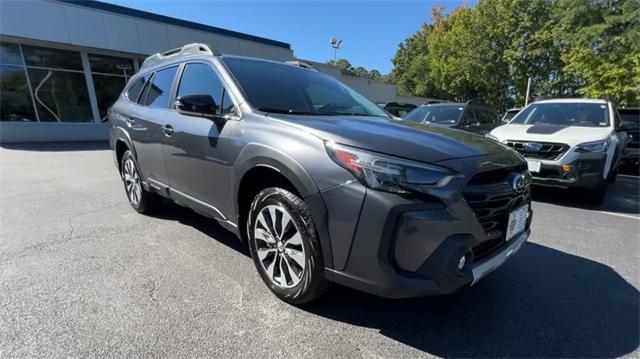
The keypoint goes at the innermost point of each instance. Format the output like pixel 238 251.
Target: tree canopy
pixel 347 69
pixel 587 48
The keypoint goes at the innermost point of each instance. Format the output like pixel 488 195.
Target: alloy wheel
pixel 279 246
pixel 132 182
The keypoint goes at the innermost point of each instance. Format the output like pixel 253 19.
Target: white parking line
pixel 619 215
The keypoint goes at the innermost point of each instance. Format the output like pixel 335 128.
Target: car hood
pixel 571 135
pixel 399 138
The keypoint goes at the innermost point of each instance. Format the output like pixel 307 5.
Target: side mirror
pixel 197 105
pixel 474 123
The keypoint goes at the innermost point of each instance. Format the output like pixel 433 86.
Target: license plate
pixel 517 221
pixel 534 166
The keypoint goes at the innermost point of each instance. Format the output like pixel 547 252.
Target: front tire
pixel 140 199
pixel 284 246
pixel 598 194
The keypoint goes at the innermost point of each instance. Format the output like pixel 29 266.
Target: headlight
pixel 599 146
pixel 386 173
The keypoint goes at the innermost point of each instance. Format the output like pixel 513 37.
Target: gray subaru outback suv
pixel 321 184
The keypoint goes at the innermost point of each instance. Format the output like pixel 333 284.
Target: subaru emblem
pixel 532 146
pixel 518 182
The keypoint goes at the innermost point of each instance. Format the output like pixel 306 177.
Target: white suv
pixel 567 142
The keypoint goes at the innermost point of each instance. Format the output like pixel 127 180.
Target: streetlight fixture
pixel 335 43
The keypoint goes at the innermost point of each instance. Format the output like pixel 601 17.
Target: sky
pixel 370 30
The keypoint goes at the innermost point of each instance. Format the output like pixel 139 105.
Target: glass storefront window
pixel 110 75
pixel 108 88
pixel 111 65
pixel 54 58
pixel 10 54
pixel 50 85
pixel 15 99
pixel 60 95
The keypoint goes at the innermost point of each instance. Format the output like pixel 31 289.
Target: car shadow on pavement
pixel 622 197
pixel 543 303
pixel 208 226
pixel 57 146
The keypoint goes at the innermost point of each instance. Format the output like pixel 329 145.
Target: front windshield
pixel 509 115
pixel 449 115
pixel 282 88
pixel 564 114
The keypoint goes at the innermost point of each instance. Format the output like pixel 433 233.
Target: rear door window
pixel 485 117
pixel 158 93
pixel 469 116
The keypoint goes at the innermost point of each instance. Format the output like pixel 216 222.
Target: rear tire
pixel 613 176
pixel 284 246
pixel 140 199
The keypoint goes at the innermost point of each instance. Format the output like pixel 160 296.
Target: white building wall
pixel 55 24
pixel 52 21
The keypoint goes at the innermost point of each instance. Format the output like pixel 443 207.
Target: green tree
pixel 344 66
pixel 567 47
pixel 347 69
pixel 604 49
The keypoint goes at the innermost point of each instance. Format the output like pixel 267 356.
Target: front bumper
pixel 408 248
pixel 585 171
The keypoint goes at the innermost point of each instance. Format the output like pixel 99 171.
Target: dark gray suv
pixel 321 183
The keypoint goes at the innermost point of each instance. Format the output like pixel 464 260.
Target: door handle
pixel 130 122
pixel 168 130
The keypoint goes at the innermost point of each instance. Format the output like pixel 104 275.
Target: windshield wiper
pixel 306 113
pixel 285 111
pixel 347 114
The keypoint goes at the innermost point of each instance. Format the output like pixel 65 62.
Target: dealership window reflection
pixel 110 75
pixel 58 84
pixel 60 96
pixel 15 98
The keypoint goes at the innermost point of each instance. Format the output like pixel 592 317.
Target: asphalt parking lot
pixel 83 275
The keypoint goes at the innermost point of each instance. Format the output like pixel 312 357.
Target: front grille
pixel 546 151
pixel 492 203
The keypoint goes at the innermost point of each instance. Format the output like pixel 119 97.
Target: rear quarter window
pixel 134 91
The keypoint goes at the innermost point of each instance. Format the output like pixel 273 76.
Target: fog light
pixel 566 168
pixel 462 262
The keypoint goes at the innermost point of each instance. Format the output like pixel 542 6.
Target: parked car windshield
pixel 436 114
pixel 564 114
pixel 509 115
pixel 283 88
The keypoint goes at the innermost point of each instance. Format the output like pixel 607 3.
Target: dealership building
pixel 64 62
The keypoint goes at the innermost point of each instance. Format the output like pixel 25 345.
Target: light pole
pixel 335 43
pixel 526 99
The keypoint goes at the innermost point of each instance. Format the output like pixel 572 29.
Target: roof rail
pixel 300 64
pixel 189 49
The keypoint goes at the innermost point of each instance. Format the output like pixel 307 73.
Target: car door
pixel 198 151
pixel 145 123
pixel 621 138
